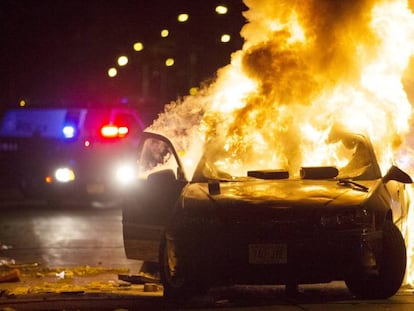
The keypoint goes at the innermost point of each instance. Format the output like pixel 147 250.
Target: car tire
pixel 391 271
pixel 178 285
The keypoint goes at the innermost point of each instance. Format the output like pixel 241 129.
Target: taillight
pixel 113 131
pixel 122 131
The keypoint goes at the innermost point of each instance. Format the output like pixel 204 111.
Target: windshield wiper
pixel 353 184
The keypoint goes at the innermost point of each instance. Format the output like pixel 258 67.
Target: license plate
pixel 95 188
pixel 266 254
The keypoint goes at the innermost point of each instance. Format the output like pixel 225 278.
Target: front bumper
pixel 312 257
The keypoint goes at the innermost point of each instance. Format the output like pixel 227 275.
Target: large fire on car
pixel 305 68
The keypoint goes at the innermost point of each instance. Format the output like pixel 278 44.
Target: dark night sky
pixel 58 51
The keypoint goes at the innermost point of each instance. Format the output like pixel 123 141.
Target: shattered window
pixel 156 155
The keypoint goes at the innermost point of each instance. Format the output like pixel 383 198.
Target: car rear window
pixel 94 120
pixel 50 122
pixel 97 118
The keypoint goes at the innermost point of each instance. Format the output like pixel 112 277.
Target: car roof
pixel 24 122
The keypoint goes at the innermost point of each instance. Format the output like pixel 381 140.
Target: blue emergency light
pixel 69 131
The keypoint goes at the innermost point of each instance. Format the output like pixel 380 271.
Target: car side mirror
pixel 162 178
pixel 395 173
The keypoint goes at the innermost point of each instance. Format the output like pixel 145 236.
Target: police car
pixel 67 153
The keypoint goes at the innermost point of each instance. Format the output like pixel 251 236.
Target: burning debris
pixel 306 67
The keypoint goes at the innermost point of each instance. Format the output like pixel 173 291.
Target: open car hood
pixel 275 193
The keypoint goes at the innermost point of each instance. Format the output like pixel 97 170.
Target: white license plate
pixel 266 254
pixel 95 188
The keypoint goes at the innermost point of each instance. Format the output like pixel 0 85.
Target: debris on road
pixel 5 247
pixel 6 261
pixel 141 278
pixel 10 276
pixel 152 287
pixel 34 280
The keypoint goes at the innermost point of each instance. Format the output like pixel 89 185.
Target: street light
pixel 138 46
pixel 122 60
pixel 221 9
pixel 173 41
pixel 112 72
pixel 183 17
pixel 225 38
pixel 169 62
pixel 193 91
pixel 165 33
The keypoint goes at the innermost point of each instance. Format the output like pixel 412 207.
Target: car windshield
pixel 347 155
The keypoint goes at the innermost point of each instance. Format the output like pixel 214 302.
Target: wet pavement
pixel 31 232
pixel 99 289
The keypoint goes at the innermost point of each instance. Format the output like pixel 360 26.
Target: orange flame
pixel 305 67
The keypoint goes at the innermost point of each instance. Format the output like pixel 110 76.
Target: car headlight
pixel 354 217
pixel 125 174
pixel 64 174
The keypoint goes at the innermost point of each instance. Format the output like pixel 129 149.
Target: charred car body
pixel 266 227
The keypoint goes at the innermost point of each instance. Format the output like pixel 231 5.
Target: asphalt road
pixel 32 232
pixel 86 244
pixel 333 297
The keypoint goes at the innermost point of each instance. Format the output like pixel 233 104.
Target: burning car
pixel 338 221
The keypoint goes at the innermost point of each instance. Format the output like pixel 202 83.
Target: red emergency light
pixel 114 131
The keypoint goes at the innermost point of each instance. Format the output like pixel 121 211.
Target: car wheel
pixel 391 270
pixel 177 282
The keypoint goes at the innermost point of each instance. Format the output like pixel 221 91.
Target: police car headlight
pixel 64 174
pixel 125 174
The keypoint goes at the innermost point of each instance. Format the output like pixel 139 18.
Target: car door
pixel 149 204
pixel 398 203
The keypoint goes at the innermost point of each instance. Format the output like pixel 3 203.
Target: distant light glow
pixel 193 91
pixel 183 17
pixel 87 143
pixel 169 62
pixel 225 38
pixel 112 72
pixel 165 33
pixel 122 60
pixel 138 46
pixel 22 103
pixel 64 175
pixel 221 9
